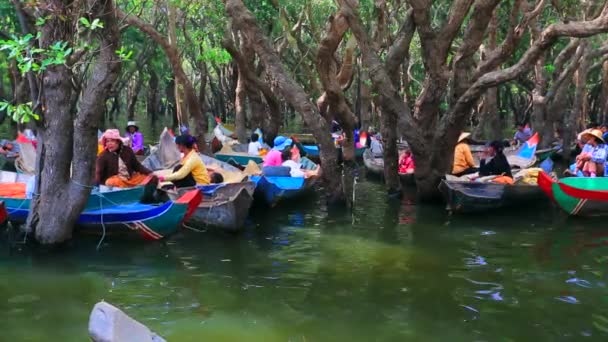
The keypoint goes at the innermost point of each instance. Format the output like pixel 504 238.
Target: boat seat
pixel 276 171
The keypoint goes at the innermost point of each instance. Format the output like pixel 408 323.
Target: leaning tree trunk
pixel 134 94
pixel 195 108
pixel 243 20
pixel 153 101
pixel 67 146
pixel 240 110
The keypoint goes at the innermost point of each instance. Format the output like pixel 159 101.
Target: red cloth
pixel 406 163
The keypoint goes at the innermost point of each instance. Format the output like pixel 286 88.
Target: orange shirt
pixel 463 159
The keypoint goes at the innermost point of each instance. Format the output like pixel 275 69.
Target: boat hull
pixel 578 196
pixel 273 190
pixel 143 221
pixel 473 197
pixel 225 206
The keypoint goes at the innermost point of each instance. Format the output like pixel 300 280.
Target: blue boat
pixel 275 189
pixel 146 221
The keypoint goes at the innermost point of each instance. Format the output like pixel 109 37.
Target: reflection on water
pixel 387 271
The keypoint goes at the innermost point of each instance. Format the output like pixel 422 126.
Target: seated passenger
pixel 117 165
pixel 254 145
pixel 463 158
pixel 291 159
pixel 9 149
pixel 592 159
pixel 406 162
pixel 192 170
pixel 376 147
pixel 273 158
pixel 136 139
pixel 494 162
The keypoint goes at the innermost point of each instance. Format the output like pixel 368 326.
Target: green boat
pixel 577 196
pixel 227 155
pixel 96 201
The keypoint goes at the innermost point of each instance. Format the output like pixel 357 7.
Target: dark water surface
pixel 388 272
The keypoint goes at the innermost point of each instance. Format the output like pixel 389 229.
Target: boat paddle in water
pixel 577 196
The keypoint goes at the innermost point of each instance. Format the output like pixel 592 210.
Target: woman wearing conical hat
pixel 136 139
pixel 592 160
pixel 463 158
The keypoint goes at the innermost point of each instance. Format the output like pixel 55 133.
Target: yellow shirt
pixel 463 159
pixel 191 163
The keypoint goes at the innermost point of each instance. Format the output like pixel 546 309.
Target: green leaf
pixel 85 22
pixel 40 21
pixel 96 24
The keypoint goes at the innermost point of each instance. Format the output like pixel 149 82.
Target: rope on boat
pixel 101 197
pixel 103 226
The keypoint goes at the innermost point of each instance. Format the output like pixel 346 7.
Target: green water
pixel 388 272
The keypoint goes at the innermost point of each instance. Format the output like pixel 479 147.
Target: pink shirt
pixel 273 158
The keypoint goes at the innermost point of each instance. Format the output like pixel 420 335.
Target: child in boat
pixel 136 139
pixel 406 162
pixel 494 162
pixel 254 145
pixel 117 165
pixel 290 157
pixel 592 159
pixel 463 158
pixel 192 170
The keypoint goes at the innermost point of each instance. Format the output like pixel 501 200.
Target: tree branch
pixel 547 38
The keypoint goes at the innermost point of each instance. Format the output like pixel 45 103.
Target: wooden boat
pixel 225 206
pixel 470 196
pixel 149 222
pixel 375 166
pixel 13 195
pixel 226 154
pixel 273 190
pixel 577 196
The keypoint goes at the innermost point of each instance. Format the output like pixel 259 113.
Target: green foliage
pixel 21 112
pixel 214 55
pixel 34 59
pixel 123 54
pixel 95 24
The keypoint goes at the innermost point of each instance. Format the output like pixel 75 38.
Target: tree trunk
pixel 171 103
pixel 153 102
pixel 604 96
pixel 243 20
pixel 69 145
pixel 195 109
pixel 241 110
pixel 133 96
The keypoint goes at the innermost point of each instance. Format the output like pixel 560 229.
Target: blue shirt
pixel 523 136
pixel 588 148
pixel 598 154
